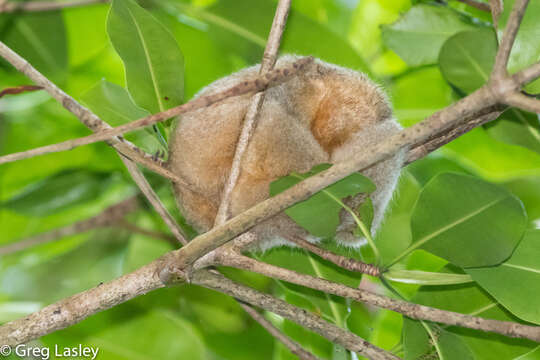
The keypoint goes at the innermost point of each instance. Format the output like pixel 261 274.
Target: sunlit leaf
pixel 152 58
pixel 466 59
pixel 113 105
pixel 470 299
pixel 517 280
pixel 420 93
pixel 426 278
pixel 418 35
pixel 467 221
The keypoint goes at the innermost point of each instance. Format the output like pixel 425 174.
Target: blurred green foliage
pixel 132 60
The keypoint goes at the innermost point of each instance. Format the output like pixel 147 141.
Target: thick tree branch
pixel 108 217
pixel 33 6
pixel 250 119
pixel 411 310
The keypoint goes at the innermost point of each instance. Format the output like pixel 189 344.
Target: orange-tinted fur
pixel 325 114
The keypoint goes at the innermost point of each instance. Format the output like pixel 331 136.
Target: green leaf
pixel 427 168
pixel 426 278
pixel 416 342
pixel 367 18
pixel 418 35
pixel 41 39
pixel 516 127
pixel 466 221
pixel 59 192
pixel 413 103
pixel 532 355
pixel 425 340
pixel 113 105
pixel 470 299
pixel 325 204
pixel 492 159
pixel 152 58
pixel 527 189
pixel 466 59
pixel 207 59
pixel 516 281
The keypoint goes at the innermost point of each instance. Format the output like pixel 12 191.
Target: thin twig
pixel 94 123
pixel 292 345
pixel 508 39
pixel 255 105
pixel 341 261
pixel 109 216
pixel 476 4
pixel 152 197
pixel 411 310
pixel 33 6
pixel 496 7
pixel 19 89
